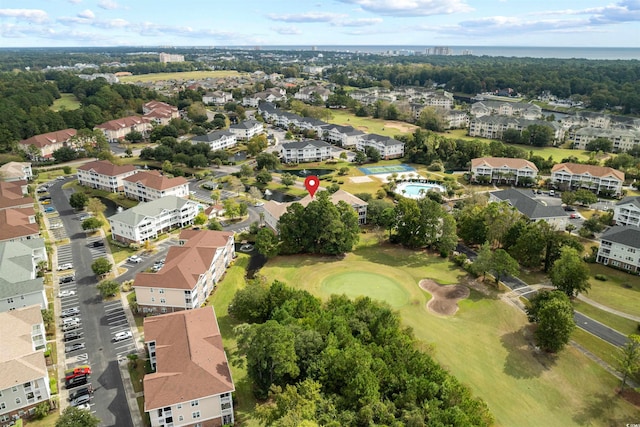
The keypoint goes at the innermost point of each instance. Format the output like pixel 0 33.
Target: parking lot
pixel 117 321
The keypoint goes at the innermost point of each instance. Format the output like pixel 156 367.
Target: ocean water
pixel 624 53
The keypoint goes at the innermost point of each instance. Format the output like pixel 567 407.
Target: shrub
pixel 627 285
pixel 460 259
pixel 601 277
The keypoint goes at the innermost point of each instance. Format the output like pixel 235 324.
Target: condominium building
pixel 16 171
pixel 20 285
pixel 191 384
pixel 627 211
pixel 189 275
pixel 247 129
pixel 503 170
pixel 147 220
pixel 116 130
pixel 620 247
pixel 24 380
pixel 571 176
pixel 152 185
pixel 42 146
pixel 389 148
pixel 217 140
pixel 305 151
pixel 104 175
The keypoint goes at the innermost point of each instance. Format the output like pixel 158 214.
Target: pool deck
pixel 426 185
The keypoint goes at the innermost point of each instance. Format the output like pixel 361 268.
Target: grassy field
pixel 621 291
pixel 188 75
pixel 370 125
pixel 67 101
pixel 487 345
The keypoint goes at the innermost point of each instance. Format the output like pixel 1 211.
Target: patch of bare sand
pixel 445 298
pixel 402 127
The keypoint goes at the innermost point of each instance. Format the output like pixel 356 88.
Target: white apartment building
pixel 147 220
pixel 152 185
pixel 620 247
pixel 20 285
pixel 622 139
pixel 190 272
pixel 305 151
pixel 569 176
pixel 247 129
pixel 217 140
pixel 192 383
pixel 345 136
pixel 24 382
pixel 627 211
pixel 388 147
pixel 503 169
pixel 104 175
pixel 217 97
pixel 116 130
pixel 16 171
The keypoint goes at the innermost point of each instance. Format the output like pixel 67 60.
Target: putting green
pixel 359 283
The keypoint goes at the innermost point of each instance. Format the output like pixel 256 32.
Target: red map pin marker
pixel 311 183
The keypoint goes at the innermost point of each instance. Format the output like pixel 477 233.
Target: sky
pixel 222 23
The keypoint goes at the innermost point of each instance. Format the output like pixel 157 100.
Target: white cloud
pixel 74 1
pixel 287 31
pixel 29 15
pixel 306 17
pixel 362 22
pixel 108 4
pixel 86 14
pixel 412 7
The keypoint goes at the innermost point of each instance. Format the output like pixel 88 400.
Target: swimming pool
pixel 417 190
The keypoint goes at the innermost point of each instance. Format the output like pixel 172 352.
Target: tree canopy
pixel 570 274
pixel 553 313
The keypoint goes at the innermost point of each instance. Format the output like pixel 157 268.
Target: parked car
pixel 73 335
pixel 46 202
pixel 60 178
pixel 81 400
pixel 43 198
pixel 63 294
pixel 76 381
pixel 121 336
pixel 574 216
pixel 70 320
pixel 84 391
pixel 55 226
pixel 96 244
pixel 42 189
pixel 84 216
pixel 135 259
pixel 65 266
pixel 77 371
pixel 67 279
pixel 70 326
pixel 73 311
pixel 49 209
pixel 74 347
pixel 84 406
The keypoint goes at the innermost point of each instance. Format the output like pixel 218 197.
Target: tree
pixel 101 266
pixel 585 197
pixel 214 224
pixel 47 317
pixel 231 208
pixel 360 157
pixel 482 263
pixel 41 410
pixel 372 153
pixel 255 193
pixel 568 197
pixel 600 144
pixel 267 242
pixel 553 313
pixel 108 288
pixel 78 200
pixel 629 358
pixel 271 355
pixel 570 274
pixel 95 206
pixel 267 161
pixel 264 177
pixel 246 170
pixel 234 184
pixel 200 219
pixel 503 265
pixel 215 196
pixel 65 154
pixel 287 179
pixel 92 223
pixel 134 136
pixel 75 417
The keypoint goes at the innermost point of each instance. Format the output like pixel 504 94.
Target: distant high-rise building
pixel 170 57
pixel 439 50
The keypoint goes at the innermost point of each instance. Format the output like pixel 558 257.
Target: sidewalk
pixel 131 395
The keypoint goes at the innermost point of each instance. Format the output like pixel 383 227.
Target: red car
pixel 77 371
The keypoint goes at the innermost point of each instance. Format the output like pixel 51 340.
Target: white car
pixel 63 294
pixel 84 406
pixel 134 259
pixel 66 266
pixel 70 321
pixel 55 226
pixel 122 335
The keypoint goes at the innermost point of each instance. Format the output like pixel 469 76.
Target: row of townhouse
pixel 309 93
pixel 17 214
pixel 599 179
pixel 493 127
pixel 600 120
pixel 191 382
pixel 149 219
pixel 24 382
pixel 528 111
pixel 142 185
pixel 274 210
pixel 622 139
pixel 534 210
pixel 269 95
pixel 16 171
pixel 346 136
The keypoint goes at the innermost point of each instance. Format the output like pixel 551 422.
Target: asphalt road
pixel 98 321
pixel 584 322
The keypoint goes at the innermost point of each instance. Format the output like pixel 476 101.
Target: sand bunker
pixel 445 297
pixel 360 179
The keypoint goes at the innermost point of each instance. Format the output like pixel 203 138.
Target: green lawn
pixel 182 76
pixel 615 292
pixel 371 125
pixel 487 344
pixel 67 101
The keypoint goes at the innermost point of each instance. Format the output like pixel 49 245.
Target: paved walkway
pixel 608 309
